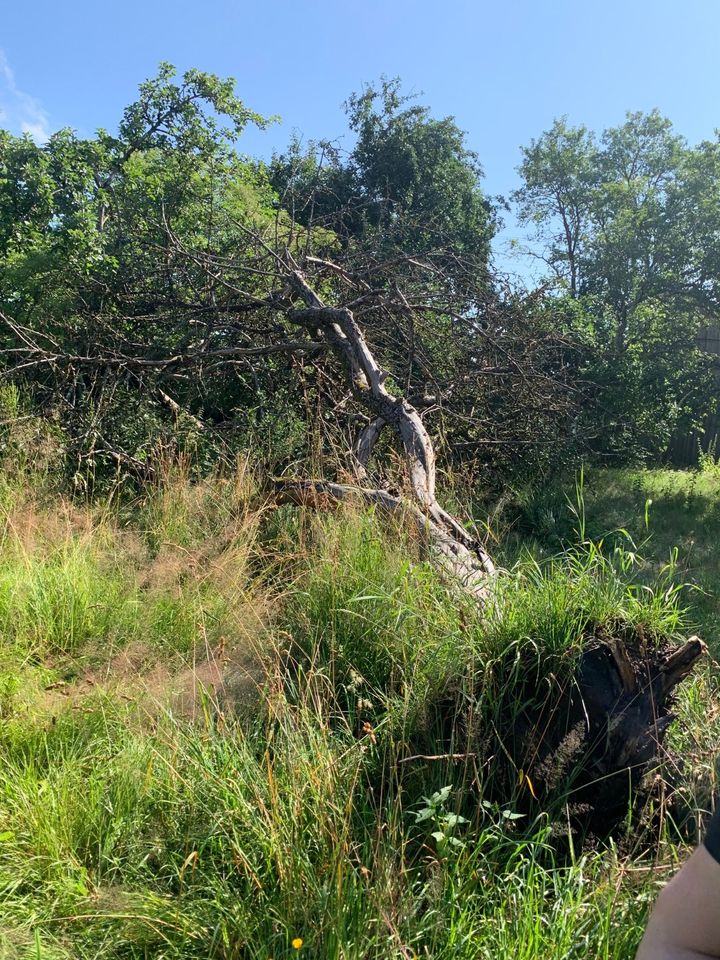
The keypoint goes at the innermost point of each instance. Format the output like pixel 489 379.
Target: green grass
pixel 683 515
pixel 199 843
pixel 666 517
pixel 133 828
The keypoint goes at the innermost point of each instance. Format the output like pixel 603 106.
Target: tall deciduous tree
pixel 409 184
pixel 559 172
pixel 628 222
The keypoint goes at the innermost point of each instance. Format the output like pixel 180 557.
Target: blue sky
pixel 503 69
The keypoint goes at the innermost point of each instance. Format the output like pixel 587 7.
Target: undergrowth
pixel 231 732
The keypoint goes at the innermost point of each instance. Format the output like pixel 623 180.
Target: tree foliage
pixel 89 264
pixel 144 286
pixel 628 223
pixel 146 300
pixel 409 183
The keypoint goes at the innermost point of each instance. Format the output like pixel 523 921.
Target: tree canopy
pixel 628 224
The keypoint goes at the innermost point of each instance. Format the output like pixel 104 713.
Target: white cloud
pixel 20 112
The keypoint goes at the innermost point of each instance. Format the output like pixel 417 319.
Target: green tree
pixel 146 295
pixel 102 247
pixel 559 173
pixel 409 185
pixel 628 224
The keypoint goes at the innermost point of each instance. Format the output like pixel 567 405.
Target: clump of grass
pixel 186 512
pixel 672 515
pixel 32 454
pixel 55 597
pixel 556 603
pixel 73 582
pixel 367 610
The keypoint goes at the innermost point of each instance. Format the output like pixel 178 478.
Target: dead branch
pixel 365 444
pixel 451 554
pixel 367 379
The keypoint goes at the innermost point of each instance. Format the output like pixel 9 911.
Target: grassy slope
pixel 665 516
pixel 201 707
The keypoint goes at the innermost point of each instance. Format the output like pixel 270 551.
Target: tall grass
pixel 666 518
pixel 351 807
pixel 199 842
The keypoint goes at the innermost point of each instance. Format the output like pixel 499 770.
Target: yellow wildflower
pixel 297 943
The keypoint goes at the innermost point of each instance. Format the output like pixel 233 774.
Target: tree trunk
pixel 596 741
pixel 460 551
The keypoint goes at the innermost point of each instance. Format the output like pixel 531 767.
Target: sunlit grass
pixel 132 828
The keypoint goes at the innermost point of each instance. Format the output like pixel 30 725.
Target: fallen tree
pixel 462 553
pixel 595 738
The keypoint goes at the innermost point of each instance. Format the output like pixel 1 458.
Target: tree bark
pixel 461 552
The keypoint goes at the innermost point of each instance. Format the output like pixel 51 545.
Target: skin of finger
pixel 685 922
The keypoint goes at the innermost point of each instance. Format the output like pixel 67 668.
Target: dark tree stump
pixel 594 741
